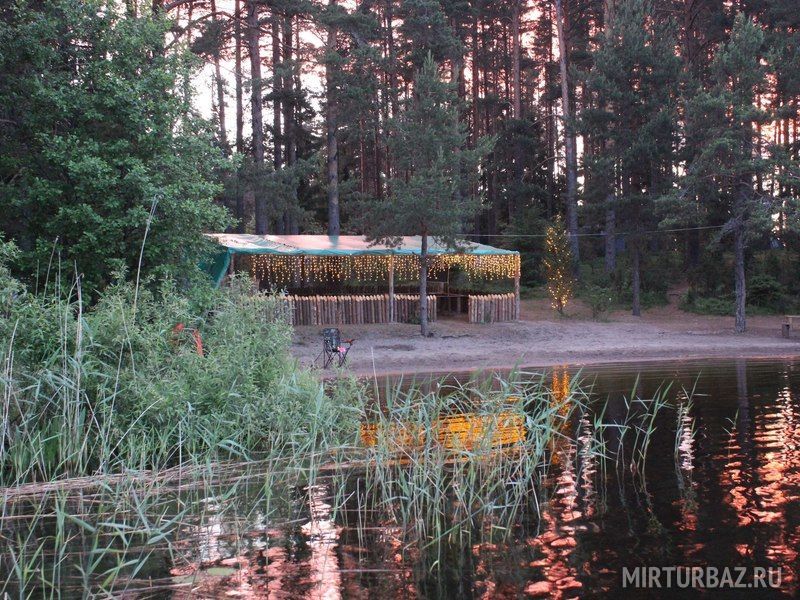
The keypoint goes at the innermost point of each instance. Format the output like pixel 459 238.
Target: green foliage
pixel 765 291
pixel 10 288
pixel 599 299
pixel 558 265
pixel 526 220
pixel 635 76
pixel 432 165
pixel 116 386
pixel 428 143
pixel 725 115
pixel 95 126
pixel 708 306
pixel 427 33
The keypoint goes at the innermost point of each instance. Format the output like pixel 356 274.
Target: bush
pixel 115 386
pixel 599 300
pixel 707 306
pixel 765 291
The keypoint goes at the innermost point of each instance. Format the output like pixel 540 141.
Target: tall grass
pixel 444 466
pixel 108 389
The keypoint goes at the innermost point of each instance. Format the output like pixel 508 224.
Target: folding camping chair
pixel 333 346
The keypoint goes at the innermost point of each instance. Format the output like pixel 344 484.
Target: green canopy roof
pixel 342 245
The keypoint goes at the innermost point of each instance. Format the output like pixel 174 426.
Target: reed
pixel 446 463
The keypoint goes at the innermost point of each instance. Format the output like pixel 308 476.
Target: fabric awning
pixel 342 245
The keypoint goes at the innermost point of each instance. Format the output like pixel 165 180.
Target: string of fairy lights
pixel 282 269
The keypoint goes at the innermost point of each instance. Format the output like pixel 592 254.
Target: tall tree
pixel 636 72
pixel 727 157
pixel 608 197
pixel 256 107
pixel 331 126
pixel 218 28
pixel 95 129
pixel 516 11
pixel 239 95
pixel 429 146
pixel 570 142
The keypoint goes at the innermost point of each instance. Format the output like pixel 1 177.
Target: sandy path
pixel 542 339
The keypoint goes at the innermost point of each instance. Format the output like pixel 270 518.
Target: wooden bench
pixel 791 326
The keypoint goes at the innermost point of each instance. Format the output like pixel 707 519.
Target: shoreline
pixel 538 341
pixel 575 364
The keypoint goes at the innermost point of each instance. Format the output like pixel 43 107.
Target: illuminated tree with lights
pixel 558 265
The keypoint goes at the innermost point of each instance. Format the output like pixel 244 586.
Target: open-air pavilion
pixel 316 271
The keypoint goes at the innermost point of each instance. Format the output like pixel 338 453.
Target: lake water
pixel 721 489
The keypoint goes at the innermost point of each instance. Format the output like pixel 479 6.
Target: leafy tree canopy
pixel 95 124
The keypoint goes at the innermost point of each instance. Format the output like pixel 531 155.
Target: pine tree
pixel 570 141
pixel 429 147
pixel 726 146
pixel 635 74
pixel 558 265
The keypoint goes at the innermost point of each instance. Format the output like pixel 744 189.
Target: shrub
pixel 114 386
pixel 765 291
pixel 599 300
pixel 707 306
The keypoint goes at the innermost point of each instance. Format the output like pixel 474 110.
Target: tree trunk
pixel 739 278
pixel 332 139
pixel 277 153
pixel 223 130
pixel 475 130
pixel 515 58
pixel 475 83
pixel 516 101
pixel 611 242
pixel 288 84
pixel 611 214
pixel 392 52
pixel 238 78
pixel 570 151
pixel 257 110
pixel 423 285
pixel 289 119
pixel 237 28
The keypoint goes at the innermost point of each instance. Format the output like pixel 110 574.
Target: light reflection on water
pixel 722 489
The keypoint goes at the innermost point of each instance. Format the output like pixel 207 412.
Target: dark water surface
pixel 726 495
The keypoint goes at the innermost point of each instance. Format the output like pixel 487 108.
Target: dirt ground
pixel 541 338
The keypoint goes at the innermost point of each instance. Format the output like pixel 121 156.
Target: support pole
pixel 231 266
pixel 391 289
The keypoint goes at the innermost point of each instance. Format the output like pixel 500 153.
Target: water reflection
pixel 323 535
pixel 722 488
pixel 459 431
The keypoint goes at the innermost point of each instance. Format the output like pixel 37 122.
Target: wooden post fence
pixel 493 308
pixel 356 309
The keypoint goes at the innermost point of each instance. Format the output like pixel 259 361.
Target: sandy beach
pixel 541 338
